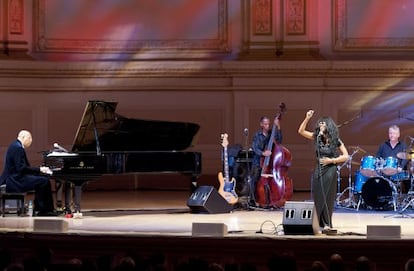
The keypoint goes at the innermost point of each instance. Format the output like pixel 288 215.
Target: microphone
pixel 57 146
pixel 246 131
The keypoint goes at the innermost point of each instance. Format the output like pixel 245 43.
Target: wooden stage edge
pixel 148 223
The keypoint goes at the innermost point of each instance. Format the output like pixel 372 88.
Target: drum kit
pixel 379 183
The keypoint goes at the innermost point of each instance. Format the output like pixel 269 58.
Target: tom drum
pixel 369 166
pixel 390 166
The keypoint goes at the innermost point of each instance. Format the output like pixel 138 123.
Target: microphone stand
pixel 330 230
pixel 350 120
pixel 318 140
pixel 251 196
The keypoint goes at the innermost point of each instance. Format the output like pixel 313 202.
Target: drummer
pixel 392 147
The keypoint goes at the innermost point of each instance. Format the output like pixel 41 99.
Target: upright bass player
pixel 270 163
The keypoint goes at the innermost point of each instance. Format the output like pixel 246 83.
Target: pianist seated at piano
pixel 20 177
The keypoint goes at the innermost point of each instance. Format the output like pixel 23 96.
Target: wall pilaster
pixel 13 28
pixel 279 29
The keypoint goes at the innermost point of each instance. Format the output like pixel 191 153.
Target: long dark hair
pixel 331 134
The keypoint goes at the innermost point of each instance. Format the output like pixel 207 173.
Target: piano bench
pixel 18 197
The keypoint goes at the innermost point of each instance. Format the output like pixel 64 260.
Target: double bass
pixel 275 187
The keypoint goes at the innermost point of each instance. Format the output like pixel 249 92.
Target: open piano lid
pixel 101 130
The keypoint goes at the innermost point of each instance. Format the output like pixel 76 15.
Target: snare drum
pixel 390 166
pixel 402 181
pixel 400 176
pixel 369 166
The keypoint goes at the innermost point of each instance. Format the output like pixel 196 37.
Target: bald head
pixel 25 137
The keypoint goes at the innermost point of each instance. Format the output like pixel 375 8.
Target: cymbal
pixel 358 148
pixel 356 163
pixel 405 155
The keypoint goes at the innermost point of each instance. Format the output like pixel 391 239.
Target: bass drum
pixel 377 192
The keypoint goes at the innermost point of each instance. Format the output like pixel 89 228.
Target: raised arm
pixel 302 128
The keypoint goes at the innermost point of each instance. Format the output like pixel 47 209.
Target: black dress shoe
pixel 252 204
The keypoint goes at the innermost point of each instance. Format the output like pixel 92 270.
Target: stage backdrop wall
pixel 222 64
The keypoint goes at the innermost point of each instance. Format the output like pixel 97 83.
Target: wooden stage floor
pixel 162 220
pixel 166 213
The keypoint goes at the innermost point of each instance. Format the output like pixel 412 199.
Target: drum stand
pixel 408 200
pixel 350 201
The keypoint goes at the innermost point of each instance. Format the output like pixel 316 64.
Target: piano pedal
pixel 63 211
pixel 76 215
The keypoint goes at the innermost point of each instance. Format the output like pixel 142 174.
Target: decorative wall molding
pixel 147 48
pixel 16 15
pixel 344 42
pixel 295 17
pixel 262 17
pixel 212 75
pixel 13 44
pixel 279 30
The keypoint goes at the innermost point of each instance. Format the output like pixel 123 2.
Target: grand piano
pixel 108 143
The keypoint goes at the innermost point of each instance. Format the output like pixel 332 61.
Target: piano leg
pixel 68 197
pixel 59 192
pixel 61 186
pixel 78 194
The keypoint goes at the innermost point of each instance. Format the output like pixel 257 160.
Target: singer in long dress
pixel 330 151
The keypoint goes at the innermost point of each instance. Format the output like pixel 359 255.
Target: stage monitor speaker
pixel 298 218
pixel 209 229
pixel 383 231
pixel 50 225
pixel 206 199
